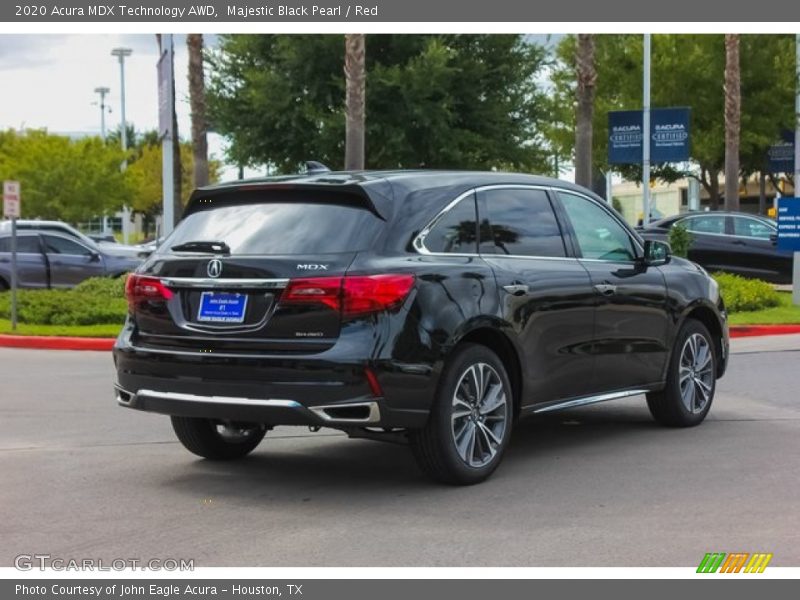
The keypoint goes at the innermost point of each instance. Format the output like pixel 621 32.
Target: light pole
pixel 646 133
pixel 121 54
pixel 103 91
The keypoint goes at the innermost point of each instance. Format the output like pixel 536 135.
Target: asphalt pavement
pixel 598 486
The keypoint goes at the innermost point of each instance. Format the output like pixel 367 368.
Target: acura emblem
pixel 214 268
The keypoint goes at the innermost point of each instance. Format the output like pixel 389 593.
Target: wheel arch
pixel 707 315
pixel 499 343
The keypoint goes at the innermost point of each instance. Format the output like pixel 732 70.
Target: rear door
pixel 238 298
pixel 31 269
pixel 545 295
pixel 70 262
pixel 631 317
pixel 711 245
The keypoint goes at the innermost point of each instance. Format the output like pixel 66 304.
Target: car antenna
pixel 314 167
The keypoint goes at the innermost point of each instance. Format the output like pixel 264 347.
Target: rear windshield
pixel 280 228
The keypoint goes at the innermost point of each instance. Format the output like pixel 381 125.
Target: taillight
pixel 139 288
pixel 351 295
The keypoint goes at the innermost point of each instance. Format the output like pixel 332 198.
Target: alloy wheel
pixel 479 415
pixel 696 373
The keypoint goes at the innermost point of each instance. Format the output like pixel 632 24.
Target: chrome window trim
pixel 419 241
pixel 767 224
pixel 229 283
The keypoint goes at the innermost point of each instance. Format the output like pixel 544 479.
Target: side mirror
pixel 656 253
pixel 94 256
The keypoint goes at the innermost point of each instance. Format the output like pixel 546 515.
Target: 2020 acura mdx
pixel 433 308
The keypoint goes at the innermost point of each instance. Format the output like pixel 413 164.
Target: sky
pixel 48 81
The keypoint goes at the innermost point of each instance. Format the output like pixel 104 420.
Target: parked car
pixel 64 228
pixel 49 259
pixel 429 308
pixel 733 242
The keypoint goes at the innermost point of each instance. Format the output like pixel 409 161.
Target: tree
pixel 687 70
pixel 586 76
pixel 355 84
pixel 457 101
pixel 61 178
pixel 197 102
pixel 733 109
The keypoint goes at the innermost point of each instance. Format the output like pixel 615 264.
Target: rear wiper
pixel 203 246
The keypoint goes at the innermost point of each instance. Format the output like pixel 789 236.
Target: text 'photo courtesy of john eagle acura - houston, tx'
pixel 422 307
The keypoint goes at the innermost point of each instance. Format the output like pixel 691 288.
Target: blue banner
pixel 781 154
pixel 669 139
pixel 789 224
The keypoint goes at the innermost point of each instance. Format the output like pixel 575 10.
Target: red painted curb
pixel 738 331
pixel 56 343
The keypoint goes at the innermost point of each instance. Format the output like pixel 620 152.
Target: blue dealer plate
pixel 222 307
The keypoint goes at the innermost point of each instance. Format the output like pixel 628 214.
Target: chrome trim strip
pixel 239 401
pixel 373 416
pixel 228 283
pixel 589 400
pixel 419 242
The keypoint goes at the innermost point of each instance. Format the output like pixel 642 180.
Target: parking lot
pixel 597 486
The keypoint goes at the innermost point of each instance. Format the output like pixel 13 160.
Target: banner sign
pixel 780 155
pixel 789 224
pixel 669 136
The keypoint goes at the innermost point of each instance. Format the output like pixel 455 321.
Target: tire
pixel 215 440
pixel 464 441
pixel 691 379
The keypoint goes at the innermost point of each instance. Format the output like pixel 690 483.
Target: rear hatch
pixel 254 270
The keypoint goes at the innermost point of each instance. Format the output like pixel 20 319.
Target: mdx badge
pixel 312 267
pixel 214 268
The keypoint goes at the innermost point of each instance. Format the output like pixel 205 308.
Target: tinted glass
pixel 599 235
pixel 522 223
pixel 25 245
pixel 709 224
pixel 57 245
pixel 752 228
pixel 456 230
pixel 280 228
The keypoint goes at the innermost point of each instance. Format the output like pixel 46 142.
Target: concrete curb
pixel 56 343
pixel 105 344
pixel 738 331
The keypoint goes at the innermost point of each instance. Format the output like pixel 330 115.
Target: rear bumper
pixel 329 389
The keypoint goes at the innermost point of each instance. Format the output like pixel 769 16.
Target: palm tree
pixel 355 85
pixel 733 107
pixel 586 75
pixel 197 102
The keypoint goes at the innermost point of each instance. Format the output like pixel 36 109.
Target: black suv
pixel 433 308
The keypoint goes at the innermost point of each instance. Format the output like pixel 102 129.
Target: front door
pixel 70 262
pixel 630 299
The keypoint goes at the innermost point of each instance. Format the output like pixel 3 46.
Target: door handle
pixel 606 289
pixel 516 289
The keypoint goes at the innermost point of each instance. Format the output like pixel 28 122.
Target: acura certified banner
pixel 320 11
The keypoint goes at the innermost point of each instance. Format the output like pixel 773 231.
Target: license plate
pixel 222 307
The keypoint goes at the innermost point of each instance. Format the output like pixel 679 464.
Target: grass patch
pixel 784 314
pixel 95 331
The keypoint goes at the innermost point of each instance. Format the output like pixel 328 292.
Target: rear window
pixel 281 228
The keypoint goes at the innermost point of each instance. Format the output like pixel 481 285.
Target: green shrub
pixel 679 240
pixel 96 301
pixel 742 294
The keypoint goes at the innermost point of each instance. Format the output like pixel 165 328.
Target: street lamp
pixel 102 91
pixel 121 53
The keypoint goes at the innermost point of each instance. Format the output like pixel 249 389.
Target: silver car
pixel 68 230
pixel 46 259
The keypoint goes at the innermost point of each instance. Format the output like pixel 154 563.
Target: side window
pixel 26 244
pixel 57 245
pixel 521 222
pixel 751 228
pixel 599 235
pixel 456 230
pixel 709 224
